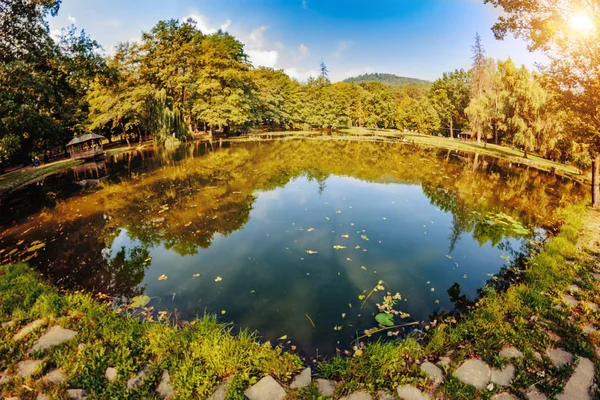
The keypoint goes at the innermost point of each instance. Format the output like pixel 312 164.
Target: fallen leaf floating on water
pixel 223 312
pixel 148 259
pixel 218 279
pixel 188 224
pixel 364 237
pixel 338 212
pixel 345 236
pixel 343 315
pixel 338 247
pixel 163 277
pixel 327 218
pixel 196 275
pixel 361 296
pixel 36 245
pixel 311 251
pixel 363 267
pixel 348 259
pixel 284 337
pixel 337 328
pixel 310 229
pixel 140 301
pixel 293 347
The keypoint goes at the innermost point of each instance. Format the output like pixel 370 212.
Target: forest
pixel 180 82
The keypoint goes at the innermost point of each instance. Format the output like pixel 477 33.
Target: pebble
pixel 579 385
pixel 435 373
pixel 504 396
pixel 326 388
pixel 111 374
pixel 164 389
pixel 77 394
pixel 589 329
pixel 382 395
pixel 596 276
pixel 408 392
pixel 559 357
pixel 510 352
pixel 55 376
pixel 504 376
pixel 360 395
pixel 221 391
pixel 475 373
pixel 265 389
pixel 27 329
pixel 55 336
pixel 573 288
pixel 26 368
pixel 570 300
pixel 301 380
pixel 444 361
pixel 534 394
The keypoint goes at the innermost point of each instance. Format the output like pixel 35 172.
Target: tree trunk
pixel 451 129
pixel 596 181
pixel 524 153
pixel 495 128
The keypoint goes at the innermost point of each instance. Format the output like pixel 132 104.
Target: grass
pixel 20 177
pixel 198 355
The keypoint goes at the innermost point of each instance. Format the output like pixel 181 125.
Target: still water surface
pixel 283 237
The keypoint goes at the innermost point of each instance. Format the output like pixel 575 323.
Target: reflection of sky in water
pixel 269 282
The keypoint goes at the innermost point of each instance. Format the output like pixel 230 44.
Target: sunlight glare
pixel 580 22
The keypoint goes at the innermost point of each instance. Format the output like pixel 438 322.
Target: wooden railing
pixel 89 153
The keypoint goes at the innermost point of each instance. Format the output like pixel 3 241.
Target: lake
pixel 288 238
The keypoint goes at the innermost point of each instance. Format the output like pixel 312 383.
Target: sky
pixel 412 38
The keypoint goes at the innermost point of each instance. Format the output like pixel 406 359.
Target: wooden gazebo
pixel 88 146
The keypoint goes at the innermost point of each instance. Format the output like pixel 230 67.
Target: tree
pixel 479 82
pixel 449 95
pixel 569 33
pixel 323 68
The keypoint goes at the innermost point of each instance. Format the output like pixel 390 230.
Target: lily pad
pixel 385 319
pixel 140 301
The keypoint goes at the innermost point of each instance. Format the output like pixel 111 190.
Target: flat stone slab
pixel 580 383
pixel 510 352
pixel 26 368
pixel 408 392
pixel 164 389
pixel 55 377
pixel 326 388
pixel 4 378
pixel 534 394
pixel 475 373
pixel 137 380
pixel 8 324
pixel 434 373
pixel 266 389
pixel 589 329
pixel 77 394
pixel 382 395
pixel 590 305
pixel 573 288
pixel 42 396
pixel 559 357
pixel 301 380
pixel 360 395
pixel 111 374
pixel 504 376
pixel 55 336
pixel 596 276
pixel 27 329
pixel 570 300
pixel 221 391
pixel 504 396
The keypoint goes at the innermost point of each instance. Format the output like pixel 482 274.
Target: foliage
pixel 386 79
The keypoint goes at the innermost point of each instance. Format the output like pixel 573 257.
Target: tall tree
pixel 479 82
pixel 569 33
pixel 449 95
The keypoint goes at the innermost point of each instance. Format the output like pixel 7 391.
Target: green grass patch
pixel 20 177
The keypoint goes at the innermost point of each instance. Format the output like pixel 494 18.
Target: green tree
pixel 449 95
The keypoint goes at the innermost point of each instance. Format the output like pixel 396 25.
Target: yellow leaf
pixel 284 337
pixel 363 267
pixel 345 236
pixel 310 229
pixel 223 312
pixel 196 275
pixel 311 251
pixel 338 247
pixel 163 277
pixel 218 279
pixel 188 224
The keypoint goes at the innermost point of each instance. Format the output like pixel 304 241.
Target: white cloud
pixel 302 52
pixel 343 46
pixel 255 39
pixel 203 24
pixel 301 74
pixel 263 58
pixel 71 19
pixel 226 25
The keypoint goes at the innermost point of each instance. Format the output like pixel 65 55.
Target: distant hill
pixel 387 79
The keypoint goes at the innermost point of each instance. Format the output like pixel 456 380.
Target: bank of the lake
pixel 537 336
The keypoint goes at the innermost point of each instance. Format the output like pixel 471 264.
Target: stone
pixel 559 357
pixel 596 276
pixel 538 356
pixel 444 361
pixel 55 376
pixel 111 374
pixel 383 395
pixel 573 288
pixel 55 336
pixel 504 376
pixel 408 392
pixel 27 329
pixel 42 396
pixel 504 396
pixel 510 352
pixel 8 324
pixel 475 373
pixel 221 391
pixel 579 385
pixel 553 336
pixel 301 380
pixel 435 374
pixel 4 378
pixel 570 300
pixel 77 394
pixel 137 380
pixel 164 389
pixel 326 388
pixel 26 368
pixel 534 394
pixel 265 389
pixel 590 305
pixel 589 329
pixel 360 395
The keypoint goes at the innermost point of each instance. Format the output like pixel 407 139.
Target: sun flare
pixel 582 23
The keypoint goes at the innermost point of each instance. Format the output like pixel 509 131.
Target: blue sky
pixel 415 38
